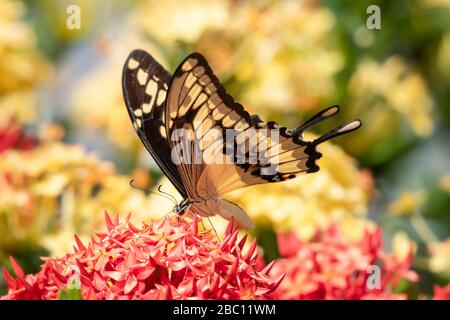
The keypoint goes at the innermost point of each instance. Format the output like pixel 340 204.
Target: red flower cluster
pixel 328 268
pixel 12 137
pixel 442 293
pixel 168 259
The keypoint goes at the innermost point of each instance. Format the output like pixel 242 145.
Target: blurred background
pixel 68 149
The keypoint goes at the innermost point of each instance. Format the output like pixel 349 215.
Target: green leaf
pixel 70 294
pixel 267 240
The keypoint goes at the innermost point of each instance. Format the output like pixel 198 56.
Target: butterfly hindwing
pixel 145 84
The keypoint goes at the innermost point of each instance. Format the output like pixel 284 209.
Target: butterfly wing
pixel 145 83
pixel 199 104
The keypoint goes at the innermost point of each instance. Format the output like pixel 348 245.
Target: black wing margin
pixel 145 84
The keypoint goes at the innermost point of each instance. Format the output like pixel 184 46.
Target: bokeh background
pixel 68 149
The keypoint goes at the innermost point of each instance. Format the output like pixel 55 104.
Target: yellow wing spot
pixel 199 71
pixel 214 101
pixel 210 89
pixel 162 132
pixel 190 80
pixel 161 97
pixel 261 124
pixel 241 125
pixel 292 166
pixel 351 126
pixel 204 80
pixel 151 89
pixel 200 116
pixel 139 123
pixel 142 77
pixel 296 153
pixel 201 98
pixel 138 112
pixel 330 112
pixel 165 86
pixel 189 64
pixel 220 112
pixel 190 99
pixel 188 131
pixel 133 64
pixel 204 127
pixel 146 107
pixel 155 77
pixel 230 119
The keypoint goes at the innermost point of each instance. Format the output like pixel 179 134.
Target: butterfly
pixel 193 101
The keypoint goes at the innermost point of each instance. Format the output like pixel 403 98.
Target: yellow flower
pixel 20 105
pixel 22 66
pixel 276 51
pixel 407 203
pixel 52 191
pixel 440 256
pixel 445 183
pixel 382 94
pixel 402 245
pixel 171 21
pixel 271 58
pixel 435 3
pixel 442 59
pixel 105 109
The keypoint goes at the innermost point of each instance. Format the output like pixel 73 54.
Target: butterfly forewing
pixel 199 104
pixel 145 84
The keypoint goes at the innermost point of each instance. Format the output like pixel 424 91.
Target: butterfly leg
pixel 215 231
pixel 187 210
pixel 203 224
pixel 202 215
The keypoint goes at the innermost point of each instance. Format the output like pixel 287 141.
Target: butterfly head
pixel 179 208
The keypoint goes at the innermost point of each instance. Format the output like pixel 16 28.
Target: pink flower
pixel 328 268
pixel 167 259
pixel 442 293
pixel 12 137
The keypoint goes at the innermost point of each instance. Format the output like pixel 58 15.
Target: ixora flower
pixel 329 268
pixel 441 293
pixel 12 137
pixel 167 259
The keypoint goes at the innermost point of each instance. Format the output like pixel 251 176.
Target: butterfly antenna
pixel 319 117
pixel 167 194
pixel 161 193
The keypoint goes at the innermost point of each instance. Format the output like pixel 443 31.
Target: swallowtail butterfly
pixel 194 102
